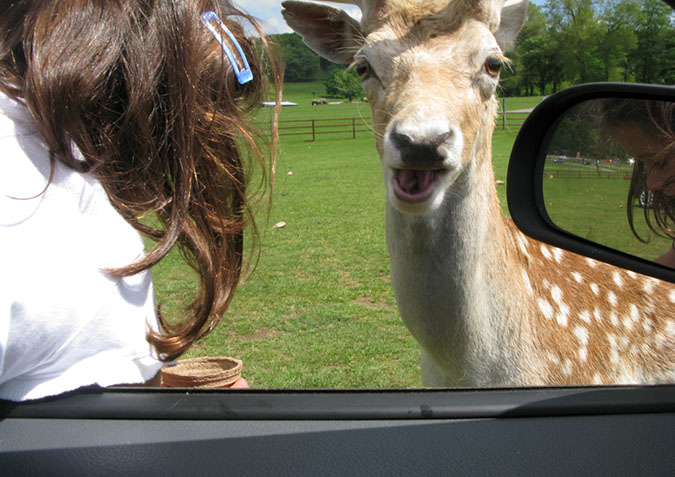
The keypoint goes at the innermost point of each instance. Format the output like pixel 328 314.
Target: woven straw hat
pixel 215 372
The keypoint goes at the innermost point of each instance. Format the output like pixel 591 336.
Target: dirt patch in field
pixel 367 302
pixel 347 279
pixel 263 333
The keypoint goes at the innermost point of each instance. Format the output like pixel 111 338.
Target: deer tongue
pixel 414 185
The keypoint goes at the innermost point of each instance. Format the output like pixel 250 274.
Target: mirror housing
pixel 525 191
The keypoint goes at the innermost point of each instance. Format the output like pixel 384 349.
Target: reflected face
pixel 648 148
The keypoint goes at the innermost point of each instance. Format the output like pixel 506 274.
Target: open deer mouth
pixel 415 185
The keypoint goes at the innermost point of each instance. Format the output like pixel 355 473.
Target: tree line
pixel 563 42
pixel 568 42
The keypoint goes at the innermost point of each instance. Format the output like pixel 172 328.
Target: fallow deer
pixel 488 305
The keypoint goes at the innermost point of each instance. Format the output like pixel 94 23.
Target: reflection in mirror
pixel 609 176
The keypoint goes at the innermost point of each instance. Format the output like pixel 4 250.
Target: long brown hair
pixel 147 95
pixel 657 118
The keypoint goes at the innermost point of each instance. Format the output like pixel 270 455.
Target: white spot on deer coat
pixel 553 358
pixel 591 263
pixel 522 245
pixel 671 295
pixel 613 318
pixel 617 279
pixel 611 298
pixel 648 285
pixel 634 313
pixel 624 343
pixel 558 254
pixel 585 316
pixel 595 289
pixel 648 325
pixel 582 335
pixel 613 348
pixel 545 251
pixel 561 318
pixel 577 277
pixel 528 284
pixel 545 308
pixel 556 294
pixel 563 315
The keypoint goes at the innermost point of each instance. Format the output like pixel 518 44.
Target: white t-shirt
pixel 64 323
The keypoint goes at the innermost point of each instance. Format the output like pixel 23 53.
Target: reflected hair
pixel 656 118
pixel 149 98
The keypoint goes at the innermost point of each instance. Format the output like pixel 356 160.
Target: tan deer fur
pixel 488 305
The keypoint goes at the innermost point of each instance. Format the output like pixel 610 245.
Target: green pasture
pixel 595 209
pixel 318 311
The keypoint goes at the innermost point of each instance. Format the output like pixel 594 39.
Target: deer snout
pixel 433 146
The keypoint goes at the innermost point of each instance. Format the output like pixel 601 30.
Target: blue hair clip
pixel 239 62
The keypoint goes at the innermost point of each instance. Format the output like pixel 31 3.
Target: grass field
pixel 319 310
pixel 596 210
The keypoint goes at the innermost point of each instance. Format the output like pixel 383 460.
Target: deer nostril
pixel 442 138
pixel 422 150
pixel 401 141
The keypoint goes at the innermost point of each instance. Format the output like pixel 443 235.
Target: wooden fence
pixel 570 173
pixel 511 119
pixel 311 128
pixel 315 127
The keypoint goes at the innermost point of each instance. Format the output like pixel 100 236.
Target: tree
pixel 618 19
pixel 301 63
pixel 344 83
pixel 579 30
pixel 652 60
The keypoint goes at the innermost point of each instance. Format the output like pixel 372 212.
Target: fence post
pixel 272 122
pixel 353 128
pixel 504 114
pixel 313 132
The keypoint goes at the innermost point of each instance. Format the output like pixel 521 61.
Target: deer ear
pixel 513 15
pixel 327 30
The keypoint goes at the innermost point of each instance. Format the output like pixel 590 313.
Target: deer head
pixel 430 71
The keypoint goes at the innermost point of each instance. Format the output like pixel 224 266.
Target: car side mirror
pixel 592 171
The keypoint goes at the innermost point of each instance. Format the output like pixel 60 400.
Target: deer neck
pixel 450 275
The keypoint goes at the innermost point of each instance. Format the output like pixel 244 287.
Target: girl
pixel 118 118
pixel 646 130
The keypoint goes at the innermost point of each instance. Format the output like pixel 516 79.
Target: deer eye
pixel 493 66
pixel 363 70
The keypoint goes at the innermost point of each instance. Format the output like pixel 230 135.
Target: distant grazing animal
pixel 488 305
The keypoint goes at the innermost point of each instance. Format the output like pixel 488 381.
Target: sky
pixel 269 11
